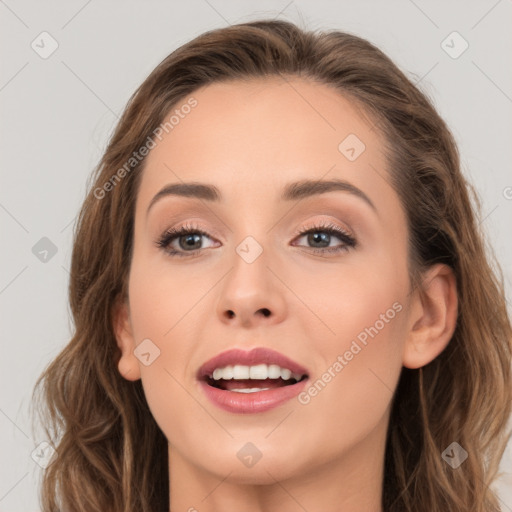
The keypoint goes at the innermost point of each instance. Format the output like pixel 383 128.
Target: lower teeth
pixel 249 390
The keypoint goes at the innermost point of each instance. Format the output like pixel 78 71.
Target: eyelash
pixel 349 241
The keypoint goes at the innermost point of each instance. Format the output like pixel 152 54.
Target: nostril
pixel 265 312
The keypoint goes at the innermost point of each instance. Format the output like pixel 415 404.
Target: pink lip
pixel 246 403
pixel 256 356
pixel 260 401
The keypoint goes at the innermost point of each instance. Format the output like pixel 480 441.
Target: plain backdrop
pixel 58 111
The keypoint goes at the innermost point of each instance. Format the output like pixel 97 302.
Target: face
pixel 319 276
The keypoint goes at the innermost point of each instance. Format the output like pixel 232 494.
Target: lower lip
pixel 246 403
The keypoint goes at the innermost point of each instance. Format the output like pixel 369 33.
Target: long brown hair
pixel 111 455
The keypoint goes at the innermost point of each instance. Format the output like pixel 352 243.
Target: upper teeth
pixel 259 371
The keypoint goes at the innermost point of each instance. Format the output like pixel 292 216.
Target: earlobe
pixel 433 317
pixel 128 364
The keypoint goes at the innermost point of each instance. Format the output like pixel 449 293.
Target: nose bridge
pixel 249 275
pixel 251 293
pixel 250 232
pixel 252 236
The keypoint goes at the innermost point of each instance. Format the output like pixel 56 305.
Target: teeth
pixel 259 372
pixel 285 373
pixel 240 372
pixel 274 372
pixel 228 373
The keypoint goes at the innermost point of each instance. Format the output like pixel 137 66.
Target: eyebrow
pixel 291 192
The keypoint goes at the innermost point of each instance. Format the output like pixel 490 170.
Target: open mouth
pixel 252 381
pixel 252 385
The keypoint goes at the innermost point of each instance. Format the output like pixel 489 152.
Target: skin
pixel 250 139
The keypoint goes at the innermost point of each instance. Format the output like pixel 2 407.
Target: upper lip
pixel 253 357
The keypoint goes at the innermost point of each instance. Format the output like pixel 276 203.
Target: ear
pixel 433 317
pixel 128 364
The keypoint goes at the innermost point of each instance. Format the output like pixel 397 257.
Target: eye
pixel 320 236
pixel 188 238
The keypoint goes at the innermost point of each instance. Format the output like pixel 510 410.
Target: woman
pixel 336 337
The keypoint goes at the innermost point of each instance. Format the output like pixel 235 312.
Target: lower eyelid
pixel 342 247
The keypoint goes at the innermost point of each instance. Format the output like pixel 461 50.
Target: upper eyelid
pixel 323 224
pixel 197 224
pixel 211 232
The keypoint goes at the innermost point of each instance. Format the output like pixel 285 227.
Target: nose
pixel 251 295
pixel 261 311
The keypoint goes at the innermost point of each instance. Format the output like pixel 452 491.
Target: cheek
pixel 360 365
pixel 359 298
pixel 164 308
pixel 161 295
pixel 350 397
pixel 165 388
pixel 357 348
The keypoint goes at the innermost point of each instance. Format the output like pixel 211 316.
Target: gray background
pixel 58 112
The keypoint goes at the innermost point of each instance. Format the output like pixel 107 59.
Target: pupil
pixel 190 241
pixel 323 238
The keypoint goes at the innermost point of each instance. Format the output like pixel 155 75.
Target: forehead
pixel 252 137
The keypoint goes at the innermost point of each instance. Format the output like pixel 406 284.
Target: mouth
pixel 251 379
pixel 240 381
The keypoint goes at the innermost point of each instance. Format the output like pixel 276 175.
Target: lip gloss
pixel 247 403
